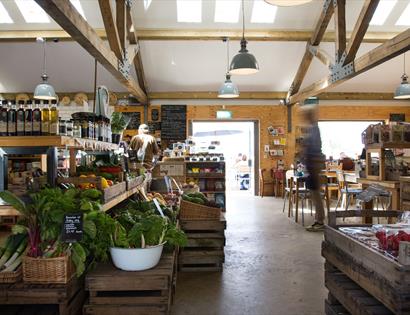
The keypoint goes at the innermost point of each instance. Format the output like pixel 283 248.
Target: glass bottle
pixel 62 127
pixel 77 129
pixel 54 119
pixel 69 128
pixel 45 119
pixel 3 118
pixel 11 119
pixel 28 119
pixel 20 119
pixel 100 128
pixel 37 119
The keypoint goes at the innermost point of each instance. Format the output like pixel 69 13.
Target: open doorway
pixel 237 143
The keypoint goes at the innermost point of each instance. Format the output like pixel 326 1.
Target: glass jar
pixel 77 129
pixel 69 128
pixel 62 129
pixel 100 128
pixel 85 131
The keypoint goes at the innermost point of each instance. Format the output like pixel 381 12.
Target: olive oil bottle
pixel 20 119
pixel 3 118
pixel 45 119
pixel 11 119
pixel 37 119
pixel 28 119
pixel 54 119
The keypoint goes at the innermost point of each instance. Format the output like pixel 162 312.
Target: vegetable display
pixel 11 254
pixel 199 198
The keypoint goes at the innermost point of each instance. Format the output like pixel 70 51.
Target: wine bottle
pixel 20 119
pixel 45 119
pixel 3 118
pixel 11 119
pixel 54 119
pixel 37 119
pixel 28 119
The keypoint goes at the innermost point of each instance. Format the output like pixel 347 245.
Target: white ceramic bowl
pixel 136 259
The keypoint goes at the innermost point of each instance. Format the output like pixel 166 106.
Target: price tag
pixel 158 207
pixel 72 228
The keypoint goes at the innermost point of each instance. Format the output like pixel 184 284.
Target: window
pixel 263 12
pixel 4 15
pixel 32 12
pixel 404 19
pixel 77 5
pixel 382 12
pixel 342 136
pixel 189 11
pixel 227 11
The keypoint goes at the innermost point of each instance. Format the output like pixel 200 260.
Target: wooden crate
pixel 205 248
pixel 380 276
pixel 351 297
pixel 113 191
pixel 63 299
pixel 134 182
pixel 114 291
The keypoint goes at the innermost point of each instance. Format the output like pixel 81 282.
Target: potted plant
pixel 140 239
pixel 118 123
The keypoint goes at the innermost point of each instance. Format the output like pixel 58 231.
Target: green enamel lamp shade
pixel 244 63
pixel 44 91
pixel 403 90
pixel 228 89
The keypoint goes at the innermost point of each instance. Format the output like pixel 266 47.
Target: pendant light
pixel 287 3
pixel 243 63
pixel 228 89
pixel 403 90
pixel 44 91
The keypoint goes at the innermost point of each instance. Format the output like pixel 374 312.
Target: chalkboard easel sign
pixel 72 228
pixel 173 122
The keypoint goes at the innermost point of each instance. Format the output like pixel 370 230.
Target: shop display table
pixel 362 280
pixel 205 248
pixel 24 298
pixel 113 291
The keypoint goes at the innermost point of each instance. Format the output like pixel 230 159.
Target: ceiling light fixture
pixel 228 89
pixel 243 63
pixel 44 91
pixel 403 90
pixel 287 3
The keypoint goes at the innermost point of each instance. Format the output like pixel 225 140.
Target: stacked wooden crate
pixel 206 242
pixel 113 291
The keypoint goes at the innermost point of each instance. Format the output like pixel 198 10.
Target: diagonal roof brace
pixel 319 53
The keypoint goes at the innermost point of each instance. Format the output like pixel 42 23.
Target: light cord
pixel 44 56
pixel 243 18
pixel 227 56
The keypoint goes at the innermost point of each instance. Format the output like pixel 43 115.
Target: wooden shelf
pixel 388 145
pixel 56 141
pixel 193 162
pixel 202 176
pixel 213 191
pixel 6 211
pixel 113 202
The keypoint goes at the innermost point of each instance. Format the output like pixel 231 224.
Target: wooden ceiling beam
pixel 340 28
pixel 134 39
pixel 65 14
pixel 121 21
pixel 153 34
pixel 258 95
pixel 390 49
pixel 360 29
pixel 110 27
pixel 315 40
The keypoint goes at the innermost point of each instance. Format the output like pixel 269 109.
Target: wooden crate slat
pixel 352 297
pixel 335 309
pixel 212 235
pixel 131 300
pixel 124 310
pixel 206 242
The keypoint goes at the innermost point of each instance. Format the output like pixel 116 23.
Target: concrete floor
pixel 272 266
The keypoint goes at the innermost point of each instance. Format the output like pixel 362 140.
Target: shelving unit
pixel 207 180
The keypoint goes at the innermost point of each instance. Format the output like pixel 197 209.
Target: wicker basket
pixel 47 270
pixel 194 211
pixel 11 277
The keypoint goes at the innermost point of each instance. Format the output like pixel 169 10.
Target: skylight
pixel 147 3
pixel 404 18
pixel 227 11
pixel 382 12
pixel 263 12
pixel 4 15
pixel 189 11
pixel 31 11
pixel 77 5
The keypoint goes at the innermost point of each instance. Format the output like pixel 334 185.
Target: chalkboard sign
pixel 154 126
pixel 135 121
pixel 398 117
pixel 173 122
pixel 72 227
pixel 154 114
